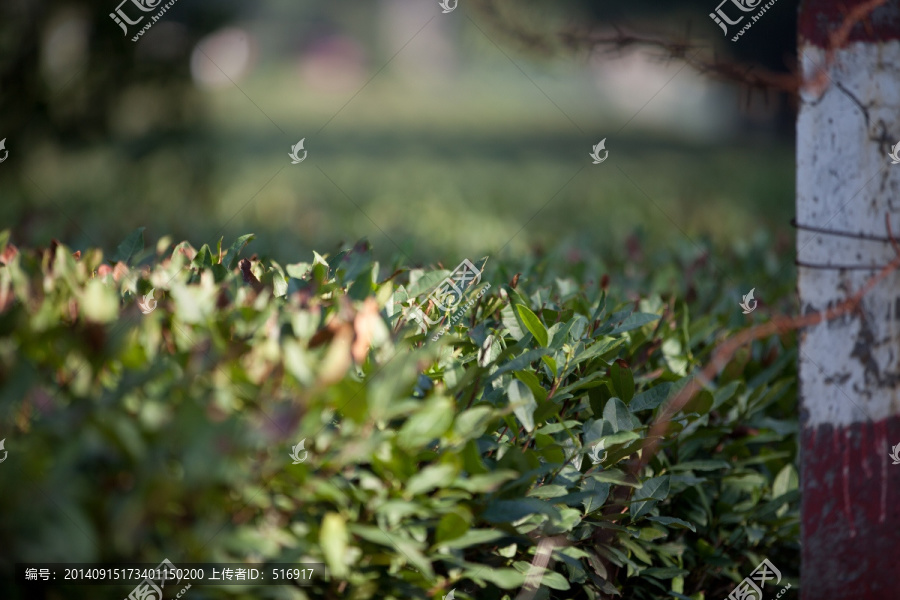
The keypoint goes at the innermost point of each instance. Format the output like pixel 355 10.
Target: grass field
pixel 493 163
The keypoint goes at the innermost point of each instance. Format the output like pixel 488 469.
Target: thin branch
pixel 838 39
pixel 752 76
pixel 726 350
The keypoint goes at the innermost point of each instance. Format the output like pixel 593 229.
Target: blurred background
pixel 436 136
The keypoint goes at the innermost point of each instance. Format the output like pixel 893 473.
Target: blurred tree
pixel 69 63
pixel 71 79
pixel 680 30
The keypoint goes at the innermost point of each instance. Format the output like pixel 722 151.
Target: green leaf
pixel 664 572
pixel 617 477
pixel 429 423
pixel 372 534
pixel 523 403
pixel 554 581
pixel 407 548
pixel 508 318
pixel 298 363
pixel 674 354
pixel 519 362
pixel 616 414
pixel 130 246
pixel 533 324
pixel 451 526
pixel 507 579
pixel 99 303
pixel 623 437
pixel 508 511
pixel 589 383
pixel 597 397
pixel 279 280
pixel 546 410
pixel 531 380
pixel 636 550
pixel 490 351
pixel 599 348
pixel 425 282
pixel 786 481
pixel 724 394
pixel 204 258
pixel 471 459
pixel 558 334
pixel 701 403
pixel 234 253
pixel 645 498
pixel 488 482
pixel 298 270
pixel 472 537
pixel 473 423
pixel 701 465
pixel 599 493
pixel 622 381
pixel 650 399
pixel 674 522
pixel 634 321
pixel 220 273
pixel 410 550
pixel 333 539
pixel 397 510
pixel 430 478
pixel 548 491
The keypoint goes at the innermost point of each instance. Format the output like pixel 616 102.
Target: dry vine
pixel 726 350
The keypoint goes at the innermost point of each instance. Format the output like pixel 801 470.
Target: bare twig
pixel 726 350
pixel 838 39
pixel 616 41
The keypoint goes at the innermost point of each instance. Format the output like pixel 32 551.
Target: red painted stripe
pixel 818 18
pixel 850 512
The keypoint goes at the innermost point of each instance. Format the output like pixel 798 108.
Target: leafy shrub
pixel 432 466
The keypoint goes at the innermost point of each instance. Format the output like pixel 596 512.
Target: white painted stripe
pixel 850 367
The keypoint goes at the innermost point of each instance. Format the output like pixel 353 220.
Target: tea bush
pixel 432 466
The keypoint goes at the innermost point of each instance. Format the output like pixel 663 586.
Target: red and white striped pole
pixel 849 118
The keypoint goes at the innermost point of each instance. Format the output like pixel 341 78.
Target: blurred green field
pixel 487 164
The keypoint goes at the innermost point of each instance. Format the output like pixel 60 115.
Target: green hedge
pixel 432 465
